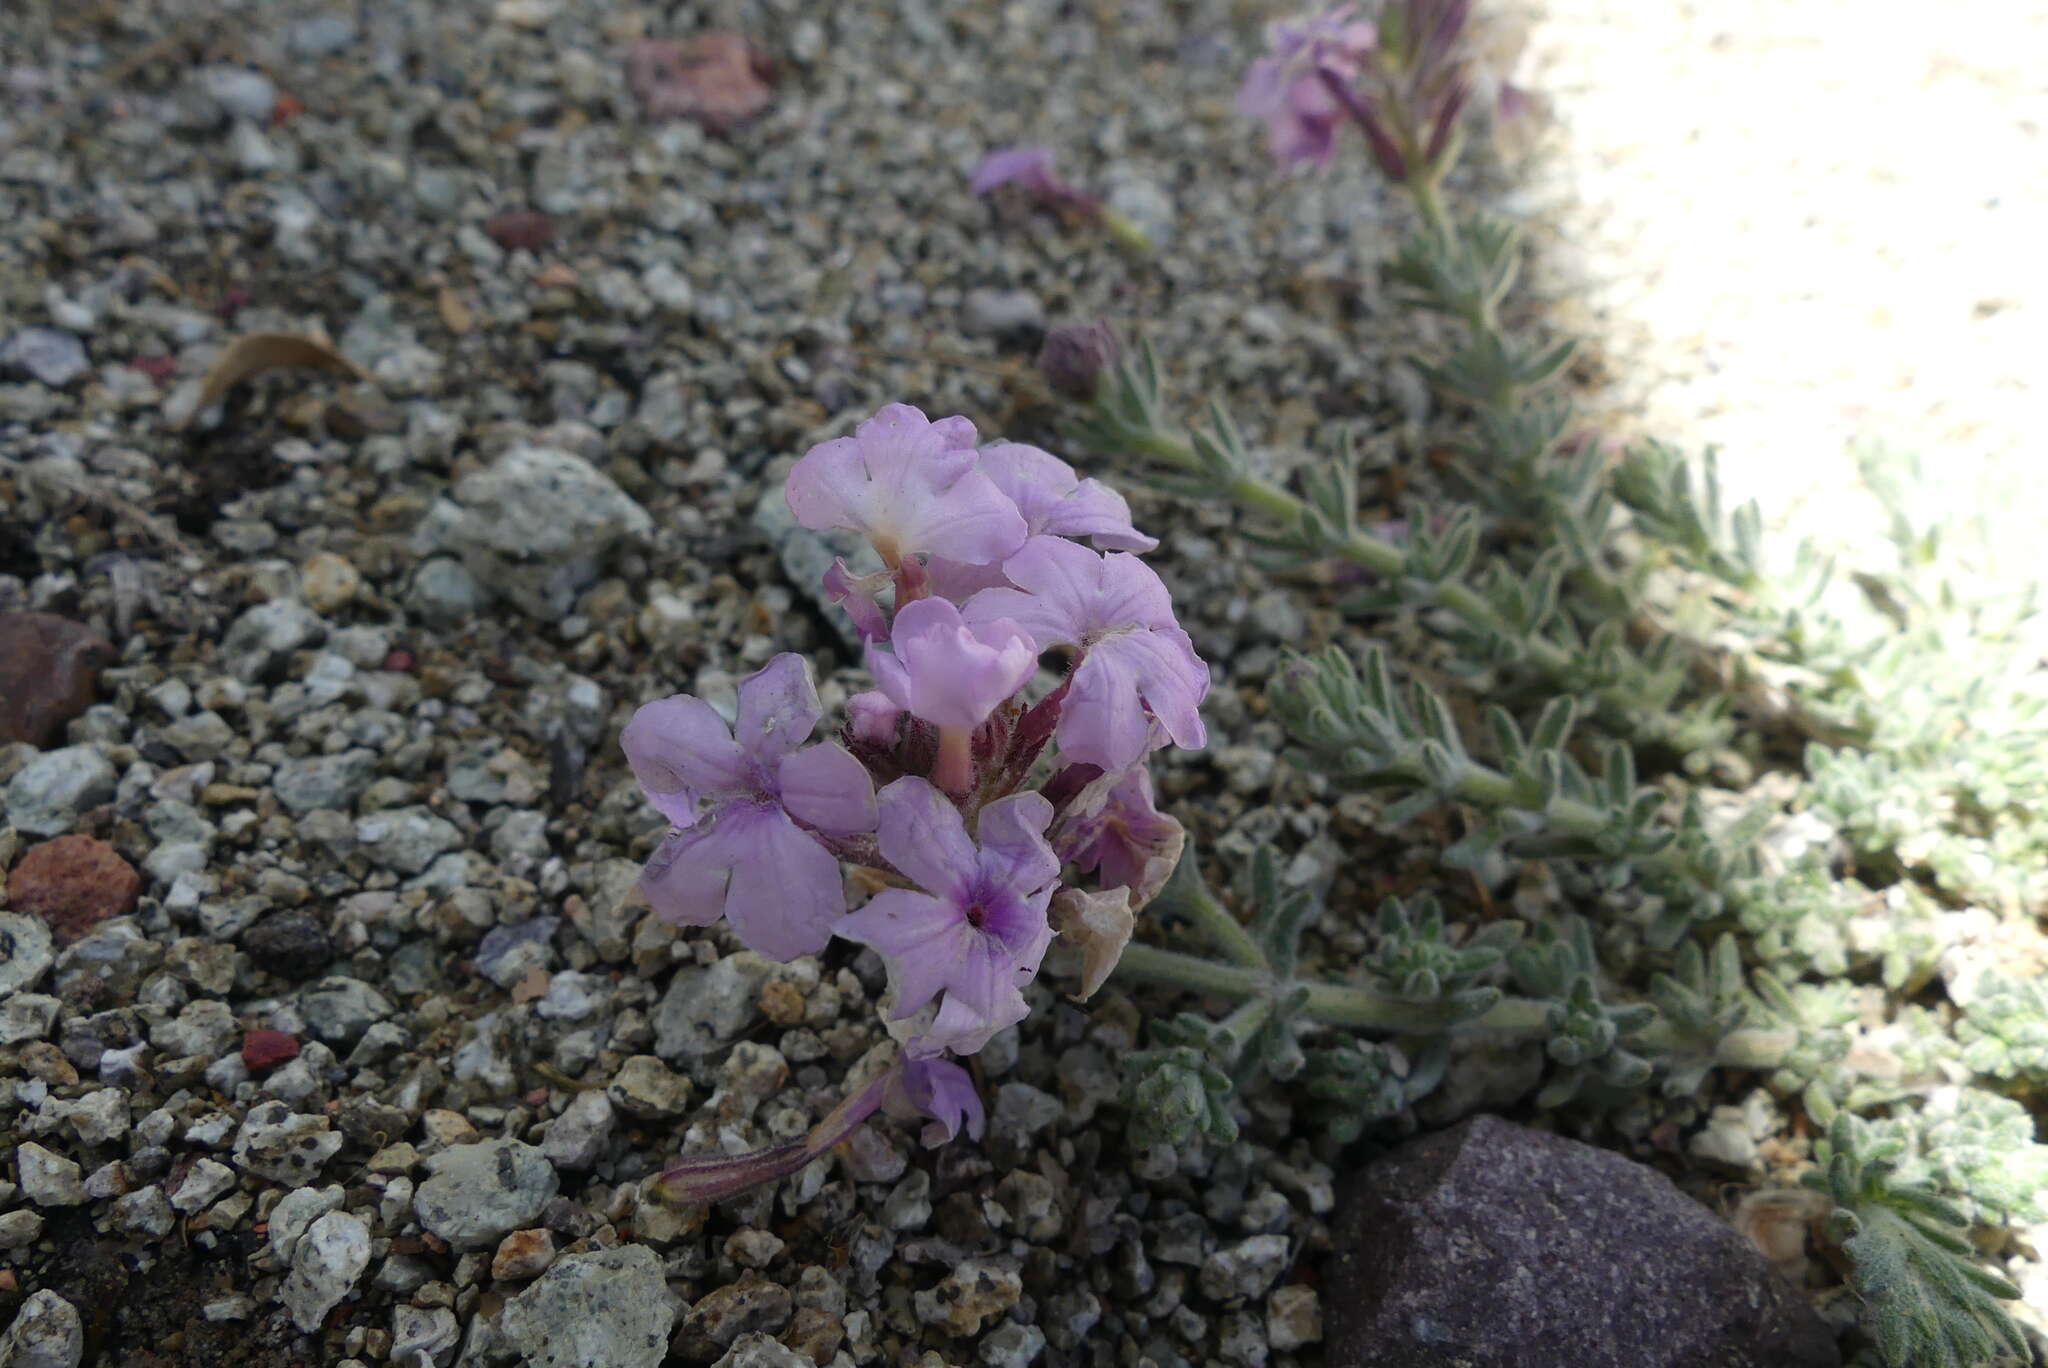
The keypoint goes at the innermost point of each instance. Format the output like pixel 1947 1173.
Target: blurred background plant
pixel 1781 814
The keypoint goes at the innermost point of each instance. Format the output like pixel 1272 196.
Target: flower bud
pixel 1075 358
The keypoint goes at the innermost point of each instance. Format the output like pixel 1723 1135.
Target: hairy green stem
pixel 1385 559
pixel 1225 930
pixel 1360 1009
pixel 1334 1004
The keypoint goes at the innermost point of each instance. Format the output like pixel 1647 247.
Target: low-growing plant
pixel 1627 644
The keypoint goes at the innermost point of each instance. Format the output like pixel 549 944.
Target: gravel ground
pixel 364 1054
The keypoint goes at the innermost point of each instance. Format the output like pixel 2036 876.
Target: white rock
pixel 294 1212
pixel 331 1257
pixel 47 1333
pixel 48 1180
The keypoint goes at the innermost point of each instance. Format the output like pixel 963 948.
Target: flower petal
pixel 1101 924
pixel 786 893
pixel 962 1030
pixel 856 594
pixel 922 834
pixel 1063 576
pixel 1102 720
pixel 684 880
pixel 910 486
pixel 1169 676
pixel 1014 850
pixel 872 717
pixel 949 674
pixel 826 787
pixel 1130 592
pixel 1030 165
pixel 923 939
pixel 1054 500
pixel 778 709
pixel 941 1091
pixel 681 750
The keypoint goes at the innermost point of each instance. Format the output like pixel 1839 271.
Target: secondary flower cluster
pixel 965 791
pixel 1401 76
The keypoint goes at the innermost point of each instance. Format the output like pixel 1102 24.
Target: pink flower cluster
pixel 966 790
pixel 1401 76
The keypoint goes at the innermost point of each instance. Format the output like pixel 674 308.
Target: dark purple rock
pixel 1490 1245
pixel 291 944
pixel 49 674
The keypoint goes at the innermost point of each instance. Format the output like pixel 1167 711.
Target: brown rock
pixel 718 79
pixel 751 1305
pixel 73 883
pixel 523 1254
pixel 264 1049
pixel 815 1334
pixel 49 673
pixel 521 228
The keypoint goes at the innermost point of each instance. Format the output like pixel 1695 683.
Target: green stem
pixel 1339 1004
pixel 1225 930
pixel 1334 1004
pixel 1385 559
pixel 1244 1023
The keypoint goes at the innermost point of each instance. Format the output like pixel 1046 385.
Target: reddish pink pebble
pixel 157 368
pixel 400 662
pixel 521 228
pixel 266 1049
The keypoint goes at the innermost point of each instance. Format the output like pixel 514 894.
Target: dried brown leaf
pixel 455 311
pixel 259 352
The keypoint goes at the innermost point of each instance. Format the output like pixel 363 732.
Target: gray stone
pixel 251 151
pixel 204 1027
pixel 506 952
pixel 973 1293
pixel 535 527
pixel 706 1008
pixel 199 737
pixel 408 839
pixel 46 1333
pixel 1011 1345
pixel 26 953
pixel 1294 1317
pixel 262 640
pixel 48 1180
pixel 284 1146
pixel 19 1229
pixel 326 1266
pixel 239 92
pixel 647 1088
pixel 47 794
pixel 308 782
pixel 202 1183
pixel 578 1136
pixel 477 1194
pixel 1002 313
pixel 1245 1269
pixel 422 1335
pixel 756 1350
pixel 145 1212
pixel 1495 1245
pixel 24 1016
pixel 52 356
pixel 445 594
pixel 294 1212
pixel 322 35
pixel 610 1306
pixel 339 1009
